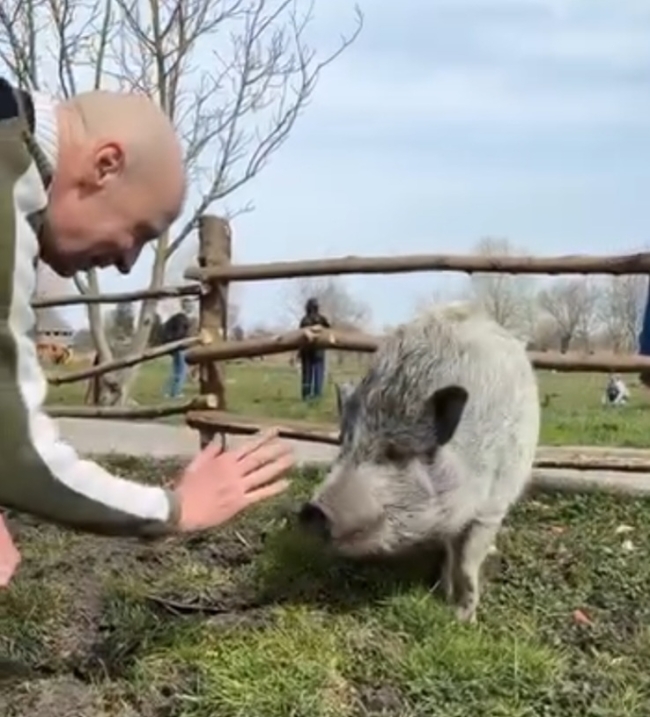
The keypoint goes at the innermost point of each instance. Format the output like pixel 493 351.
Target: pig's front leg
pixel 451 578
pixel 471 553
pixel 449 572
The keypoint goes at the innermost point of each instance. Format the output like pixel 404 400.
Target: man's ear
pixel 446 407
pixel 108 161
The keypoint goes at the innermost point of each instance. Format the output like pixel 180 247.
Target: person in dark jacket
pixel 176 328
pixel 312 359
pixel 87 183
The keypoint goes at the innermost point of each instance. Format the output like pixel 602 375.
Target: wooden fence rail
pixel 575 457
pixel 125 361
pixel 165 292
pixel 571 264
pixel 347 341
pixel 134 413
pixel 567 468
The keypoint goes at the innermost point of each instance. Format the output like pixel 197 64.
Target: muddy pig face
pixel 379 495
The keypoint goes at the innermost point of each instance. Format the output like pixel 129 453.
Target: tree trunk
pixel 141 336
pixel 102 347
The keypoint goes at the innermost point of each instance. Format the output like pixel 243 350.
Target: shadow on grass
pixel 296 569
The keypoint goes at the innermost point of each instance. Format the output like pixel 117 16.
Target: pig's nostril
pixel 314 519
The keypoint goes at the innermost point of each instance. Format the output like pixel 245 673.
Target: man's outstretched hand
pixel 217 485
pixel 9 555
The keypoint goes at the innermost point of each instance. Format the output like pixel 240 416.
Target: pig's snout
pixel 312 518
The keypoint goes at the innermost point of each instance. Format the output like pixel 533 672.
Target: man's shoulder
pixel 8 104
pixel 9 108
pixel 14 153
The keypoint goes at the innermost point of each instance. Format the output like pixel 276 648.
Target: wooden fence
pixel 203 401
pixel 212 276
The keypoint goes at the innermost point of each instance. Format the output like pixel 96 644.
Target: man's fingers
pixel 267 491
pixel 210 452
pixel 255 444
pixel 265 454
pixel 268 472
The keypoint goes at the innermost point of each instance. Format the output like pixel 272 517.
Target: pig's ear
pixel 343 393
pixel 446 407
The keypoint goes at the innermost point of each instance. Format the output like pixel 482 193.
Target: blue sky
pixel 451 120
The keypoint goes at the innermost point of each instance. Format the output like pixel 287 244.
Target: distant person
pixel 176 328
pixel 644 339
pixel 616 392
pixel 312 358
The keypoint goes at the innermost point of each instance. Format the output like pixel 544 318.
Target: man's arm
pixel 40 474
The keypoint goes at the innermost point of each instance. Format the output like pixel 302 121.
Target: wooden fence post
pixel 214 251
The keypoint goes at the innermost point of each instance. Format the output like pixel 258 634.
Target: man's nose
pixel 313 519
pixel 126 262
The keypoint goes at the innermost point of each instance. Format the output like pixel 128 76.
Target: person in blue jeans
pixel 177 327
pixel 312 359
pixel 179 372
pixel 644 339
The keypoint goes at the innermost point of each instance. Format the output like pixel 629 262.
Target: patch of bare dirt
pixel 62 696
pixel 89 645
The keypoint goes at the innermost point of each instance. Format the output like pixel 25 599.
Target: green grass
pixel 269 389
pixel 253 620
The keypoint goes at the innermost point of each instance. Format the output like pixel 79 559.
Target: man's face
pixel 100 218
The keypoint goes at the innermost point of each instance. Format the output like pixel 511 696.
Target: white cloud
pixel 616 47
pixel 501 67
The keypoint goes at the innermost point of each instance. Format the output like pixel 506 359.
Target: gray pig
pixel 437 443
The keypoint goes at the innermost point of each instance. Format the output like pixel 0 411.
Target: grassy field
pixel 572 412
pixel 254 621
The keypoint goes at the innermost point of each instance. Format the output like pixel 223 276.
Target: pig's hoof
pixel 466 615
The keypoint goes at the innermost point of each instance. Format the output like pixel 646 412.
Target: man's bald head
pixel 119 181
pixel 146 132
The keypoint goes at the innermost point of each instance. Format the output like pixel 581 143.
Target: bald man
pixel 87 183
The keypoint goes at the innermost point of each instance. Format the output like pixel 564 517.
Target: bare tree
pixel 620 310
pixel 340 307
pixel 507 299
pixel 572 304
pixel 233 75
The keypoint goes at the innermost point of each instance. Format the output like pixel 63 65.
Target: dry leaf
pixel 581 618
